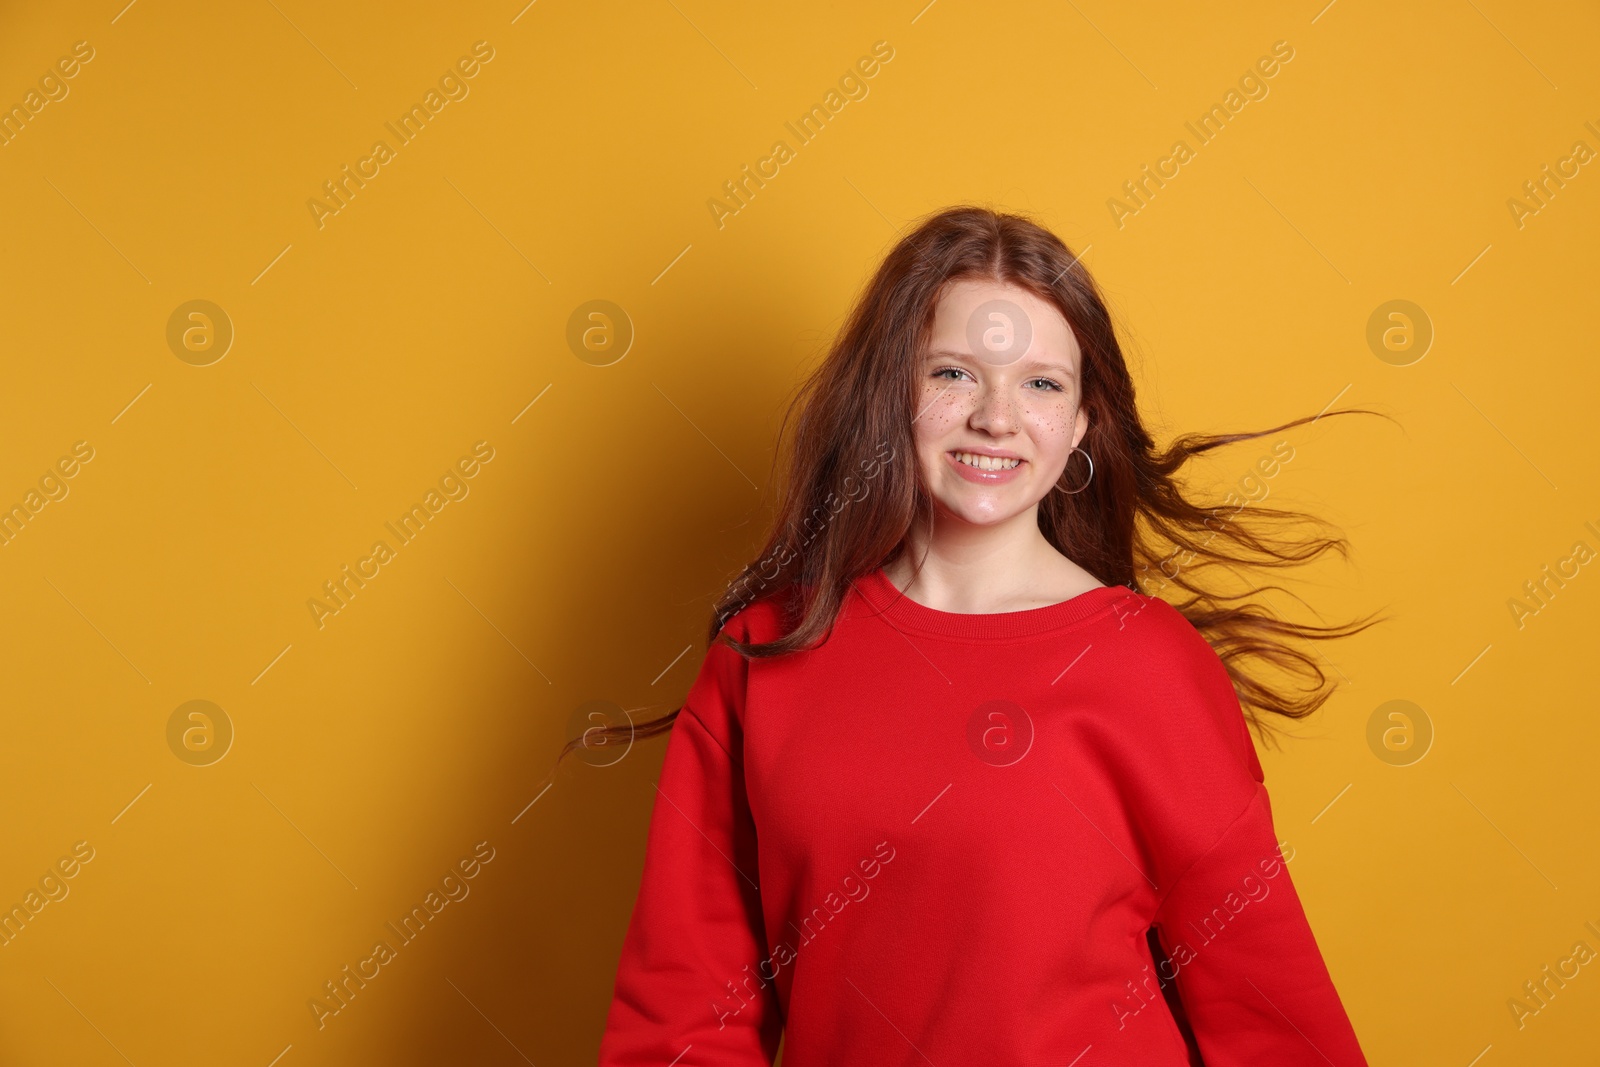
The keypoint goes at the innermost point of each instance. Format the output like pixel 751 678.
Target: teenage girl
pixel 966 776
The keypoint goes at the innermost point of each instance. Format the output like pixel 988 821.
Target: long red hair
pixel 851 487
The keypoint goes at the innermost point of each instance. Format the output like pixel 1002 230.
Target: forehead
pixel 969 310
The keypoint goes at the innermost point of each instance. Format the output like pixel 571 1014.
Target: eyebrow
pixel 1058 366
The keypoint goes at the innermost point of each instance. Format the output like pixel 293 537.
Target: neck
pixel 964 567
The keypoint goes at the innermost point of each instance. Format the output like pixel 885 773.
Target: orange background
pixel 371 755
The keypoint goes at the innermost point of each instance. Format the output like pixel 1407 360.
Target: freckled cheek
pixel 940 416
pixel 1053 422
pixel 940 413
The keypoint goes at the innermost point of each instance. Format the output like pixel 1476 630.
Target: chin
pixel 977 516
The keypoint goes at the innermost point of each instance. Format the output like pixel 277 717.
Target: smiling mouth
pixel 985 463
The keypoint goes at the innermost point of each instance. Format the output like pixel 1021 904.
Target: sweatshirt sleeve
pixel 682 995
pixel 1252 981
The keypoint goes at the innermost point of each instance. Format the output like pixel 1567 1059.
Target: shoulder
pixel 1187 689
pixel 761 618
pixel 755 622
pixel 718 696
pixel 1168 644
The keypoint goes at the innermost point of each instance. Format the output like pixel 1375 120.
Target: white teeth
pixel 986 463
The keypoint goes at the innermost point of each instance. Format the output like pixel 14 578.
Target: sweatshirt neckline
pixel 890 602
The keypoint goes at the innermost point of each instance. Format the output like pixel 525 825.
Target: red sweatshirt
pixel 940 839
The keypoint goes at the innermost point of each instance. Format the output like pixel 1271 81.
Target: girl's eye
pixel 1049 383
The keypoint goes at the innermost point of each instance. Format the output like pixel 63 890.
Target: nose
pixel 993 410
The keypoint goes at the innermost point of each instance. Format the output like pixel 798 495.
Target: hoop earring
pixel 1087 480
